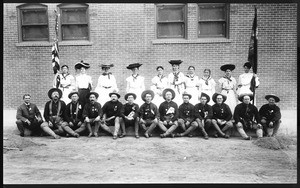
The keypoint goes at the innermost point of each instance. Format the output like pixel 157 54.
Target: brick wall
pixel 125 33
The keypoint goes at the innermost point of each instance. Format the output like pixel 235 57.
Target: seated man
pixel 186 116
pixel 129 115
pixel 246 116
pixel 112 113
pixel 53 114
pixel 203 114
pixel 168 111
pixel 148 113
pixel 221 116
pixel 73 116
pixel 29 117
pixel 270 115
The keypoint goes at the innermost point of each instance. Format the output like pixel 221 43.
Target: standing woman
pixel 191 84
pixel 135 82
pixel 159 83
pixel 83 82
pixel 176 81
pixel 228 86
pixel 65 82
pixel 106 84
pixel 207 85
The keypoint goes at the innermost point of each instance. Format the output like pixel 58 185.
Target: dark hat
pixel 72 93
pixel 106 65
pixel 186 94
pixel 143 95
pixel 128 94
pixel 166 90
pixel 64 66
pixel 82 64
pixel 176 62
pixel 214 97
pixel 52 90
pixel 227 66
pixel 134 65
pixel 92 93
pixel 241 97
pixel 248 64
pixel 272 96
pixel 205 95
pixel 160 67
pixel 114 92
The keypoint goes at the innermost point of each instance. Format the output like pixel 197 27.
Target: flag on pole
pixel 55 50
pixel 252 55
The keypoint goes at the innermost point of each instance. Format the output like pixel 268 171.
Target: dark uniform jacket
pixel 28 112
pixel 270 112
pixel 54 111
pixel 246 112
pixel 112 109
pixel 92 110
pixel 132 109
pixel 70 112
pixel 186 112
pixel 148 111
pixel 168 111
pixel 201 110
pixel 221 112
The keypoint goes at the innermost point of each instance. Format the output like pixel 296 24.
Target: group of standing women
pixel 176 80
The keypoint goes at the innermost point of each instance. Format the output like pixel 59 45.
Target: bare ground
pixel 154 160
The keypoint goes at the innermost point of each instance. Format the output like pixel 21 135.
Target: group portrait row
pixel 175 102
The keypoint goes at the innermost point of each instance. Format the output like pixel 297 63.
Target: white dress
pixel 136 85
pixel 245 80
pixel 208 88
pixel 227 88
pixel 191 87
pixel 67 85
pixel 177 85
pixel 158 85
pixel 106 84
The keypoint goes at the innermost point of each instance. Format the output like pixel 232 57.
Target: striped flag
pixel 55 57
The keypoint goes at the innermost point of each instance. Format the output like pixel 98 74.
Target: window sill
pixel 191 41
pixel 61 43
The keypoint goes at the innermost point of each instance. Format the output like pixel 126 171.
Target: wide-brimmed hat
pixel 143 95
pixel 159 67
pixel 106 65
pixel 186 94
pixel 52 90
pixel 64 66
pixel 227 66
pixel 214 97
pixel 128 94
pixel 82 64
pixel 175 62
pixel 166 90
pixel 272 96
pixel 134 65
pixel 241 97
pixel 114 93
pixel 92 93
pixel 248 64
pixel 205 95
pixel 72 93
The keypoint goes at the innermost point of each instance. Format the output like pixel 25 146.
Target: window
pixel 74 22
pixel 213 20
pixel 171 20
pixel 33 22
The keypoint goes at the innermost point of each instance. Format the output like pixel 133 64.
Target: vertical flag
pixel 252 55
pixel 55 50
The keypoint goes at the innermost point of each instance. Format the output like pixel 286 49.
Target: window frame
pixel 226 20
pixel 72 6
pixel 185 14
pixel 31 7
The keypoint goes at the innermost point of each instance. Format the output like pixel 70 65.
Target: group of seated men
pixel 74 119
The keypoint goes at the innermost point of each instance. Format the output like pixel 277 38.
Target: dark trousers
pixel 34 126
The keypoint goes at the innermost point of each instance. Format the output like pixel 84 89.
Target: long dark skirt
pixel 83 96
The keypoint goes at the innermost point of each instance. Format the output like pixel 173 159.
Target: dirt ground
pixel 129 160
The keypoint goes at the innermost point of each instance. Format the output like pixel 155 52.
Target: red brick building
pixel 129 33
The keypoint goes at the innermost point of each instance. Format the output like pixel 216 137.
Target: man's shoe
pixel 226 136
pixel 248 138
pixel 96 135
pixel 206 137
pixel 216 135
pixel 90 135
pixel 146 135
pixel 137 136
pixel 162 135
pixel 178 135
pixel 172 135
pixel 115 137
pixel 122 135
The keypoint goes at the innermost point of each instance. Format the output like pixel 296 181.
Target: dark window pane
pixel 171 30
pixel 75 32
pixel 212 29
pixel 217 13
pixel 171 13
pixel 35 33
pixel 34 17
pixel 74 16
